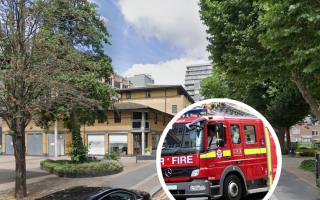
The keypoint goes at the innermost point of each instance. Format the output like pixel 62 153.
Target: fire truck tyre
pixel 232 188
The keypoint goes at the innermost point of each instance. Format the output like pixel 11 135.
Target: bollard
pixel 318 169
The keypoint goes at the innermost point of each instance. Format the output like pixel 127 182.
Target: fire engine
pixel 218 155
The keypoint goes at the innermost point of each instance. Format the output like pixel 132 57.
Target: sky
pixel 156 37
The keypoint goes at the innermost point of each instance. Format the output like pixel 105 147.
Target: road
pixel 290 187
pixel 139 176
pixel 135 179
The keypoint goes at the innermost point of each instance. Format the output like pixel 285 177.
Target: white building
pixel 194 75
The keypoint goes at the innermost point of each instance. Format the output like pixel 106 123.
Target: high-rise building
pixel 194 75
pixel 141 80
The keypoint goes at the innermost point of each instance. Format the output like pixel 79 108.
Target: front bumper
pixel 183 189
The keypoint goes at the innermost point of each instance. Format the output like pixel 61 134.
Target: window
pixel 148 94
pixel 137 115
pixel 117 117
pixel 235 134
pixel 174 108
pixel 146 116
pixel 250 134
pixel 155 140
pixel 128 95
pixel 155 118
pixel 315 133
pixel 118 143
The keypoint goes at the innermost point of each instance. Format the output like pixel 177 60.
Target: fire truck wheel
pixel 232 188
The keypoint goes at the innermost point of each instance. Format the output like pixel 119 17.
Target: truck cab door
pixel 237 139
pixel 254 151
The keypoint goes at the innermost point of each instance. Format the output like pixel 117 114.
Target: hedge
pixel 65 168
pixel 305 152
pixel 308 165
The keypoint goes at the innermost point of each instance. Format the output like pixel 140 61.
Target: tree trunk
pixel 79 150
pixel 20 158
pixel 306 94
pixel 281 134
pixel 288 137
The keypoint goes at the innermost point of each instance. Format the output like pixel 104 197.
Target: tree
pixel 48 49
pixel 280 103
pixel 256 40
pixel 290 30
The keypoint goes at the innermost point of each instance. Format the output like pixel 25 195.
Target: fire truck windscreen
pixel 183 140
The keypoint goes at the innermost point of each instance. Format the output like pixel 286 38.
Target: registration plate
pixel 172 187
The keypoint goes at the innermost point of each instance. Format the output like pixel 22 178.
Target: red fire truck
pixel 218 156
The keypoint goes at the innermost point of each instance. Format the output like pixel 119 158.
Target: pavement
pixel 139 176
pixel 294 184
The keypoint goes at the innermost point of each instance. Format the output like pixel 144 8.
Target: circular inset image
pixel 219 149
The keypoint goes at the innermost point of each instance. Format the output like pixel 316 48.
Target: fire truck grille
pixel 177 172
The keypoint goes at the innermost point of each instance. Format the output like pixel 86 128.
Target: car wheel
pixel 232 188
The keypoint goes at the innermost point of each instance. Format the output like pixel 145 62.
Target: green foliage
pixel 113 155
pixel 148 149
pixel 51 61
pixel 79 152
pixel 66 168
pixel 307 152
pixel 215 86
pixel 308 165
pixel 254 42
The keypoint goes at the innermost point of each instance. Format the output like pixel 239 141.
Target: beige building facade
pixel 305 133
pixel 134 126
pixel 168 98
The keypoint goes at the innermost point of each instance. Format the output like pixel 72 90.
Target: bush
pixel 114 155
pixel 66 168
pixel 308 165
pixel 305 152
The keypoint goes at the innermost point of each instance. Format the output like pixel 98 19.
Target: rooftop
pixel 126 106
pixel 157 87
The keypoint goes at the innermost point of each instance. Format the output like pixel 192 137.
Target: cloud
pixel 168 72
pixel 175 22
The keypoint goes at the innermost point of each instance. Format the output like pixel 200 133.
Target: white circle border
pixel 220 100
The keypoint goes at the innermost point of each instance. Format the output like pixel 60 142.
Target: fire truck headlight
pixel 197 187
pixel 195 172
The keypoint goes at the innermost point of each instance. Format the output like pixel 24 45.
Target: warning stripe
pixel 266 132
pixel 255 151
pixel 227 153
pixel 213 154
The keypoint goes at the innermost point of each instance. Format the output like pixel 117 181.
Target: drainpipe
pixel 142 132
pixel 56 138
pixel 165 100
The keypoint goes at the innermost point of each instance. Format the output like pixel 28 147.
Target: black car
pixel 97 193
